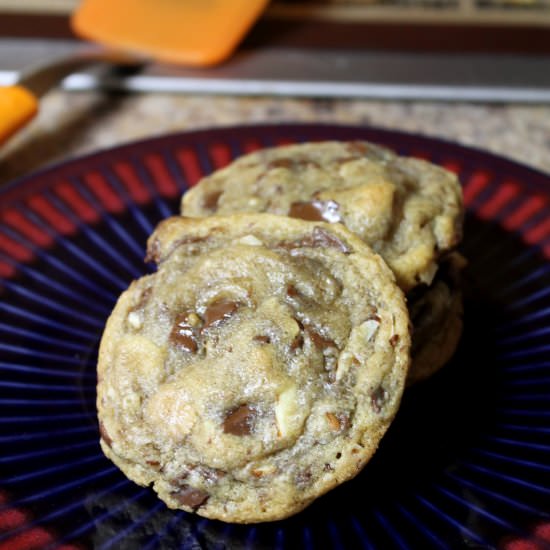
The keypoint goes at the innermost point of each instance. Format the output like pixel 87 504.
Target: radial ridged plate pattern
pixel 466 463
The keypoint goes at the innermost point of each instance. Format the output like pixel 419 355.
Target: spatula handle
pixel 17 106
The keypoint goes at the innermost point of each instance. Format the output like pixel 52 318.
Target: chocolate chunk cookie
pixel 406 209
pixel 256 369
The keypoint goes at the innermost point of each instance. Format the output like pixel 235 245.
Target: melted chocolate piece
pixel 323 345
pixel 262 339
pixel 211 200
pixel 183 333
pixel 394 339
pixel 240 421
pixel 189 496
pixel 281 163
pixel 292 291
pixel 104 434
pixel 378 398
pixel 316 211
pixel 321 237
pixel 310 211
pixel 320 342
pixel 218 312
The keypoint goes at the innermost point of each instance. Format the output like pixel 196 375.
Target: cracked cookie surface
pixel 258 368
pixel 408 210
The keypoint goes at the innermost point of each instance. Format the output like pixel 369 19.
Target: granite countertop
pixel 72 123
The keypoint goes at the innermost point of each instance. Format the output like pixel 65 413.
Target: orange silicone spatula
pixel 192 32
pixel 189 32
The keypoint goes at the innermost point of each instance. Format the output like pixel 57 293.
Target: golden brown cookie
pixel 408 210
pixel 258 368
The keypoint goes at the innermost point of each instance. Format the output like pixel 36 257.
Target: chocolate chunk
pixel 211 200
pixel 328 468
pixel 320 238
pixel 394 339
pixel 219 311
pixel 262 339
pixel 320 342
pixel 317 210
pixel 378 398
pixel 323 238
pixel 240 421
pixel 184 334
pixel 281 163
pixel 104 434
pixel 190 496
pixel 292 291
pixel 328 348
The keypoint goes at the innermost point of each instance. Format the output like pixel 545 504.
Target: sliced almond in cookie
pixel 250 240
pixel 171 412
pixel 364 333
pixel 286 413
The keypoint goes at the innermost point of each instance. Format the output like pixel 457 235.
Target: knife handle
pixel 17 107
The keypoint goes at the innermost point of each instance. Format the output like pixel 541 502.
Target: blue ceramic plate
pixel 466 463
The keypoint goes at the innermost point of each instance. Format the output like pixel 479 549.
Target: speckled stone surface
pixel 71 124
